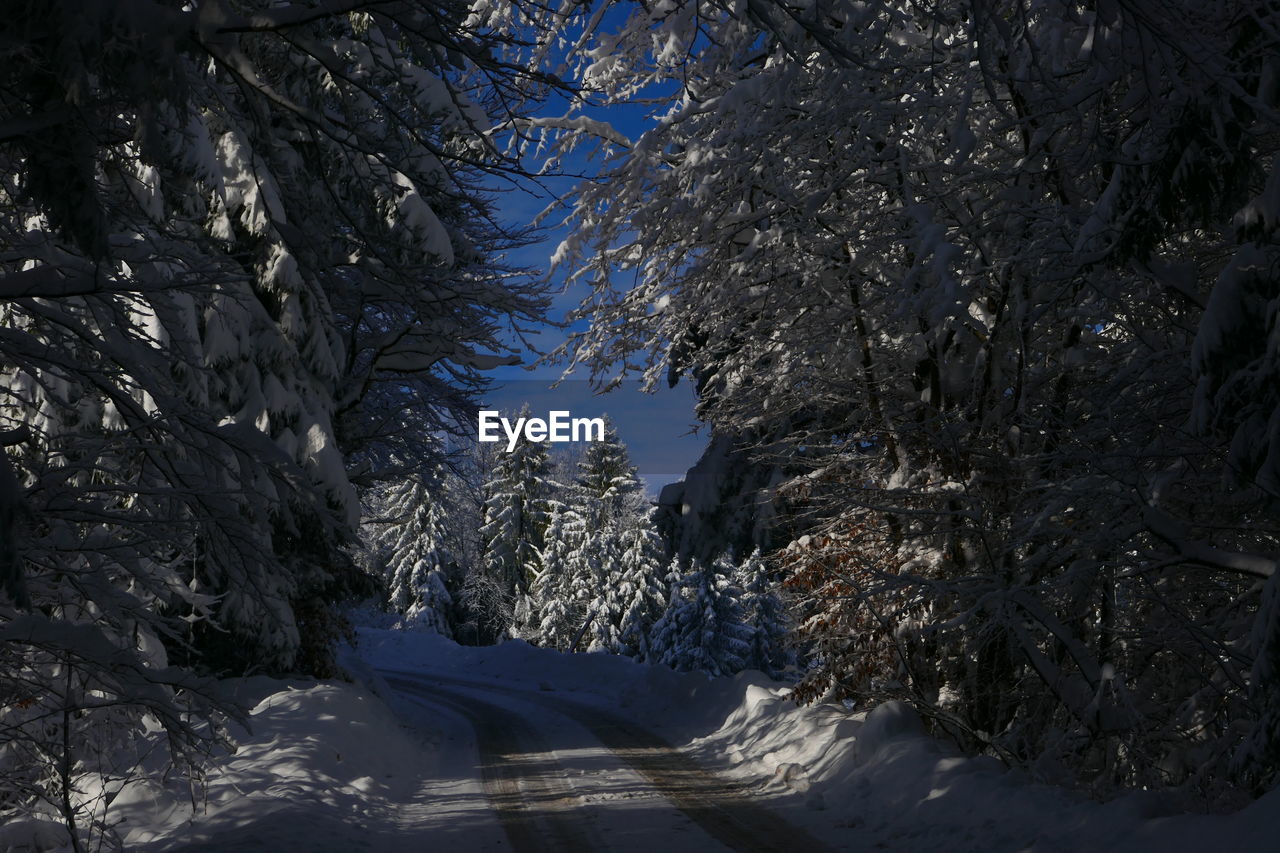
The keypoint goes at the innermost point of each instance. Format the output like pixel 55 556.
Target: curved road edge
pixel 719 806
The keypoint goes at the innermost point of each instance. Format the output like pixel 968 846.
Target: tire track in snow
pixel 522 780
pixel 720 807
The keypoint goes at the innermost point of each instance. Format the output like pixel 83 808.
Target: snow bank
pixel 334 766
pixel 876 780
pixel 323 768
pixel 33 834
pixel 866 780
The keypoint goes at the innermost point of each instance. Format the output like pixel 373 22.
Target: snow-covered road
pixel 490 749
pixel 560 775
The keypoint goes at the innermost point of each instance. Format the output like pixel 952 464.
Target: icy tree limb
pixel 579 124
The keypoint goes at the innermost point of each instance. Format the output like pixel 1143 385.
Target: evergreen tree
pixel 607 604
pixel 765 616
pixel 609 495
pixel 707 632
pixel 524 619
pixel 643 591
pixel 559 606
pixel 516 514
pixel 665 632
pixel 607 489
pixel 418 560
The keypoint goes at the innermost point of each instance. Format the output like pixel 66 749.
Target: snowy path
pixel 563 776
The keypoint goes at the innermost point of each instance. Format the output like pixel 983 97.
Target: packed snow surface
pixel 856 780
pixel 340 766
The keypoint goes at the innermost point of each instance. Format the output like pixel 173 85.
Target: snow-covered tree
pixel 488 609
pixel 607 490
pixel 664 635
pixel 243 246
pixel 559 593
pixel 417 560
pixel 517 511
pixel 607 590
pixel 999 363
pixel 704 629
pixel 765 615
pixel 609 496
pixel 642 590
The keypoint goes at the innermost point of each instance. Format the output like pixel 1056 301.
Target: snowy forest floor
pixel 444 747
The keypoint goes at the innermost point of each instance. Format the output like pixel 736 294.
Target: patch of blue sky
pixel 661 433
pixel 659 428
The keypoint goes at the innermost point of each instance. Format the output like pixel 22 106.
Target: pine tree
pixel 609 496
pixel 765 616
pixel 516 514
pixel 558 605
pixel 417 562
pixel 665 632
pixel 707 632
pixel 607 603
pixel 607 489
pixel 643 590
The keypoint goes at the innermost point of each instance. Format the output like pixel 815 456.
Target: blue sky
pixel 658 428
